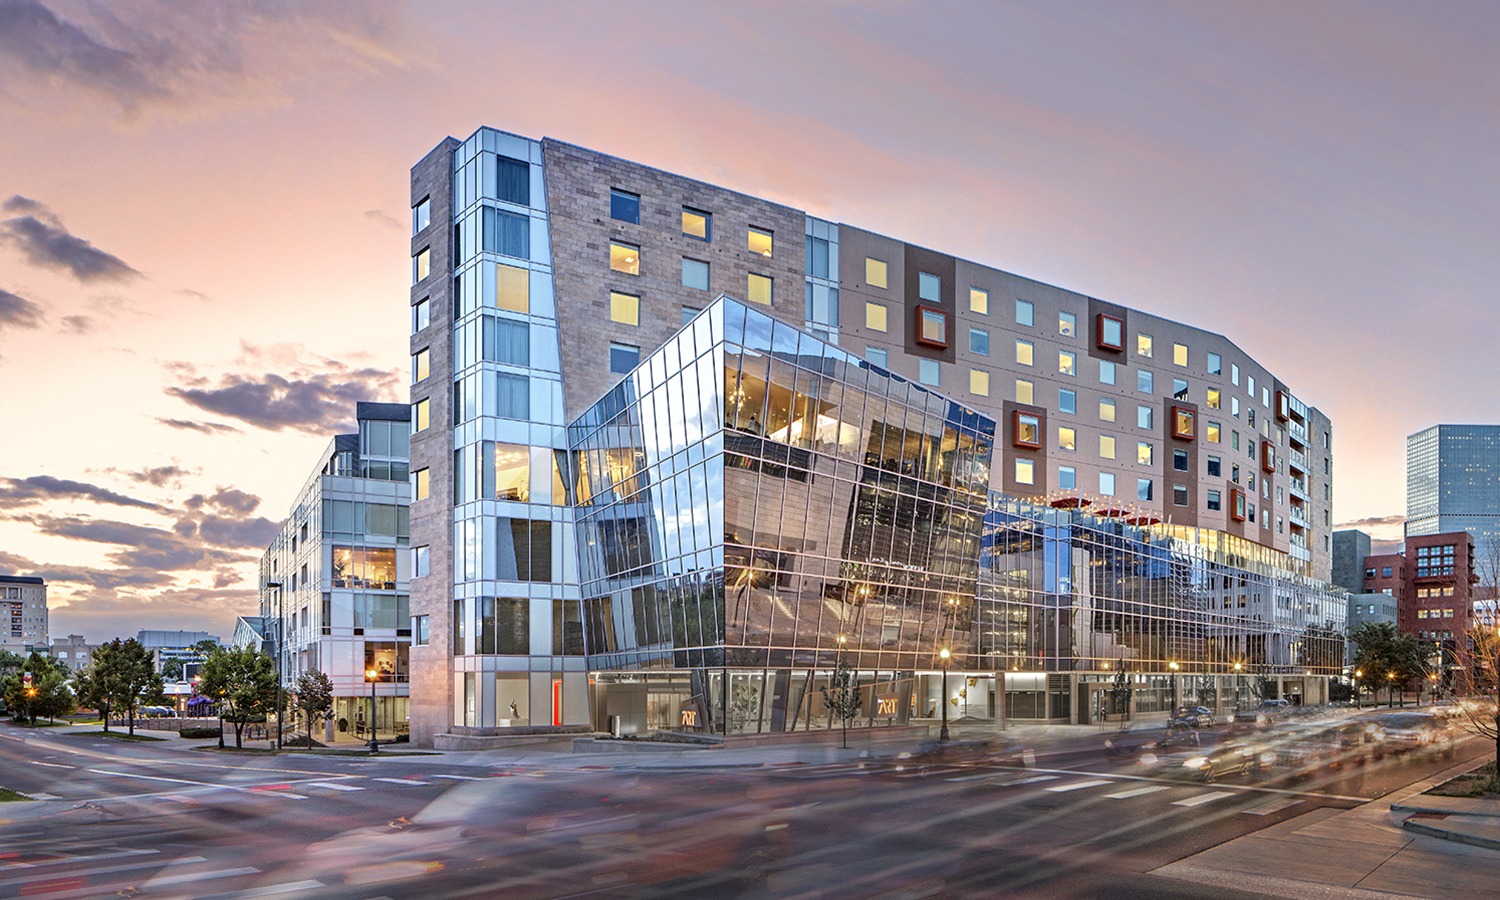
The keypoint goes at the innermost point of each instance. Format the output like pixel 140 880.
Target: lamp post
pixel 944 655
pixel 1238 668
pixel 1174 667
pixel 1390 687
pixel 280 625
pixel 1358 699
pixel 371 676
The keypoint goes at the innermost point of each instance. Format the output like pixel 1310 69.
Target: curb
pixel 1457 837
pixel 1432 810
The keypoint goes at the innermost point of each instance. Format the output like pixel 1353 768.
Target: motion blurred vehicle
pixel 1411 732
pixel 1209 765
pixel 1265 713
pixel 1146 737
pixel 1191 717
pixel 158 712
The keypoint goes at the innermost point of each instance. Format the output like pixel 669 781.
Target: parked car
pixel 157 712
pixel 1191 717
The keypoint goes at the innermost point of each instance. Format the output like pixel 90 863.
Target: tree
pixel 171 670
pixel 314 692
pixel 1388 657
pixel 842 695
pixel 122 677
pixel 46 695
pixel 243 681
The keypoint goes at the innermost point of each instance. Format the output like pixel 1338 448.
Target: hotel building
pixel 676 450
pixel 23 614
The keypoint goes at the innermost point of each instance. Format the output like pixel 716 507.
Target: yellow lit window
pixel 758 289
pixel 419 484
pixel 421 265
pixel 512 288
pixel 624 308
pixel 1143 345
pixel 1213 398
pixel 1212 432
pixel 875 316
pixel 512 472
pixel 1179 354
pixel 1144 453
pixel 1067 362
pixel 1106 447
pixel 625 258
pixel 1025 351
pixel 979 301
pixel 1025 471
pixel 697 224
pixel 1067 439
pixel 421 415
pixel 760 242
pixel 875 272
pixel 421 365
pixel 1106 410
pixel 979 382
pixel 1025 391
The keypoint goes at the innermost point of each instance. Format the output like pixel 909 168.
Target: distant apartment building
pixel 333 594
pixel 1433 581
pixel 72 651
pixel 1453 484
pixel 23 614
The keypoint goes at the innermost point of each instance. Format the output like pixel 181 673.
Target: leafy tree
pixel 243 681
pixel 314 692
pixel 92 691
pixel 842 695
pixel 48 693
pixel 171 670
pixel 123 676
pixel 1389 657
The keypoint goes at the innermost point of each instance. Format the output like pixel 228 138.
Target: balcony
pixel 1299 488
pixel 1297 459
pixel 1298 516
pixel 1297 431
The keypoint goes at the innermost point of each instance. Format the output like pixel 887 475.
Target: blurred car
pixel 1212 764
pixel 1413 731
pixel 1266 712
pixel 1143 737
pixel 157 712
pixel 1191 717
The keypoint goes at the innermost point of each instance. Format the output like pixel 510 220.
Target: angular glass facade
pixel 1453 483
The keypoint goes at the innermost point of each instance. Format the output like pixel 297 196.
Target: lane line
pixel 106 870
pixel 75 859
pixel 1078 785
pixel 37 762
pixel 1247 788
pixel 1277 805
pixel 461 777
pixel 1032 780
pixel 335 786
pixel 408 781
pixel 1204 798
pixel 290 887
pixel 155 778
pixel 1137 792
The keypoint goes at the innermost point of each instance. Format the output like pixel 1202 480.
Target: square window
pixel 1025 471
pixel 694 274
pixel 878 356
pixel 512 288
pixel 1211 432
pixel 1143 345
pixel 1025 313
pixel 1179 495
pixel 758 289
pixel 1025 391
pixel 421 265
pixel 1144 417
pixel 421 365
pixel 1067 324
pixel 1107 484
pixel 421 484
pixel 760 241
pixel 1067 478
pixel 624 206
pixel 979 301
pixel 979 341
pixel 929 287
pixel 421 416
pixel 979 382
pixel 623 358
pixel 1026 430
pixel 875 272
pixel 1025 351
pixel 697 224
pixel 624 308
pixel 1215 364
pixel 1067 362
pixel 1067 400
pixel 1144 489
pixel 1215 500
pixel 1109 333
pixel 1179 354
pixel 1213 398
pixel 1179 389
pixel 1184 423
pixel 875 316
pixel 1143 381
pixel 932 327
pixel 1180 460
pixel 1106 372
pixel 1144 453
pixel 1106 447
pixel 421 315
pixel 1106 410
pixel 929 372
pixel 624 258
pixel 421 216
pixel 1067 439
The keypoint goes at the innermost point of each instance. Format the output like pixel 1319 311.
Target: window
pixel 1025 471
pixel 1025 391
pixel 1067 478
pixel 1267 456
pixel 1234 407
pixel 932 327
pixel 421 561
pixel 979 301
pixel 760 242
pixel 421 416
pixel 512 396
pixel 1144 417
pixel 421 216
pixel 1179 354
pixel 624 258
pixel 1385 571
pixel 419 631
pixel 1234 473
pixel 1067 401
pixel 758 289
pixel 1106 447
pixel 1250 387
pixel 624 206
pixel 1179 389
pixel 979 382
pixel 421 265
pixel 1215 500
pixel 1215 364
pixel 979 341
pixel 1213 398
pixel 1025 351
pixel 878 356
pixel 1067 439
pixel 1106 410
pixel 421 365
pixel 1025 313
pixel 1067 324
pixel 694 274
pixel 1106 372
pixel 1144 453
pixel 1211 432
pixel 1109 333
pixel 1143 381
pixel 1107 484
pixel 1265 397
pixel 624 308
pixel 505 232
pixel 1179 495
pixel 929 287
pixel 697 224
pixel 623 358
pixel 421 315
pixel 1237 504
pixel 818 251
pixel 875 316
pixel 1067 362
pixel 1184 423
pixel 875 272
pixel 512 288
pixel 1180 460
pixel 1234 374
pixel 1143 489
pixel 689 313
pixel 1026 430
pixel 420 484
pixel 929 372
pixel 1143 345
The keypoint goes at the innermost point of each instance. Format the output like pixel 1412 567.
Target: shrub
pixel 200 732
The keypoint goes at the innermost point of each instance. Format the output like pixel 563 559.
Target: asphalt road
pixel 135 820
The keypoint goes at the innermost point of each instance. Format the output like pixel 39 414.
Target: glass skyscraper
pixel 1453 483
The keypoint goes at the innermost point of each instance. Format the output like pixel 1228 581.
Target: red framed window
pixel 1109 333
pixel 1267 456
pixel 932 327
pixel 1283 406
pixel 1184 423
pixel 1237 504
pixel 1026 430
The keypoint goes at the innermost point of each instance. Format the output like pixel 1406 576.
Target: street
pixel 967 820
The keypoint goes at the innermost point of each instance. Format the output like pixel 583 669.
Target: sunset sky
pixel 204 219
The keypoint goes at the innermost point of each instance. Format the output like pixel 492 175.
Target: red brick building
pixel 1432 581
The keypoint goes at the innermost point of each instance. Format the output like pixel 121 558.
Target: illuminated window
pixel 932 327
pixel 624 258
pixel 1213 398
pixel 1184 424
pixel 875 272
pixel 624 206
pixel 1067 324
pixel 420 484
pixel 1106 410
pixel 694 274
pixel 929 287
pixel 1106 447
pixel 1025 471
pixel 512 472
pixel 421 216
pixel 1179 354
pixel 1144 453
pixel 421 416
pixel 760 241
pixel 979 301
pixel 1025 351
pixel 979 382
pixel 1067 362
pixel 1107 483
pixel 1026 430
pixel 421 365
pixel 1025 391
pixel 1143 345
pixel 512 288
pixel 1067 478
pixel 421 265
pixel 758 289
pixel 1211 432
pixel 697 224
pixel 1025 313
pixel 875 316
pixel 1067 439
pixel 624 308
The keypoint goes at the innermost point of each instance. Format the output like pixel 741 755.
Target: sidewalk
pixel 1365 852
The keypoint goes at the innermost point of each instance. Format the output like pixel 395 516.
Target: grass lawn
pixel 7 795
pixel 1481 782
pixel 117 735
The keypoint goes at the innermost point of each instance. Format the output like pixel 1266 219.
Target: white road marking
pixel 290 887
pixel 106 870
pixel 1031 780
pixel 460 777
pixel 200 876
pixel 75 859
pixel 153 778
pixel 37 762
pixel 401 781
pixel 1136 792
pixel 39 796
pixel 335 786
pixel 1204 798
pixel 1265 809
pixel 1078 785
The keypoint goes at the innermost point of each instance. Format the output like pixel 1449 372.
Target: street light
pixel 944 655
pixel 1174 667
pixel 1390 688
pixel 1358 699
pixel 279 632
pixel 371 676
pixel 1238 684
